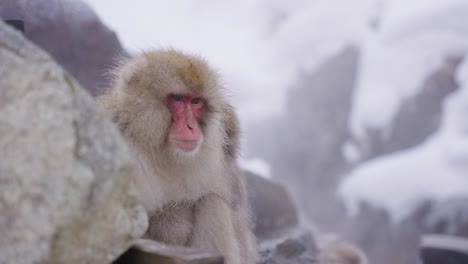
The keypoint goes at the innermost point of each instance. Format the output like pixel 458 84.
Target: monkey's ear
pixel 130 72
pixel 134 79
pixel 232 130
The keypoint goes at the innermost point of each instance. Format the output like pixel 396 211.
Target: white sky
pixel 228 33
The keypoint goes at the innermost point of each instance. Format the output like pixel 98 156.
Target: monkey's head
pixel 168 101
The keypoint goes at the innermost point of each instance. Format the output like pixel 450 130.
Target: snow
pixel 434 171
pixel 400 183
pixel 413 41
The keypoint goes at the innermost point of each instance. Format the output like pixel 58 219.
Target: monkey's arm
pixel 240 209
pixel 247 244
pixel 172 225
pixel 214 229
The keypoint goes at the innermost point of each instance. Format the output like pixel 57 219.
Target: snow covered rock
pixel 64 171
pixel 410 121
pixel 417 118
pixel 432 173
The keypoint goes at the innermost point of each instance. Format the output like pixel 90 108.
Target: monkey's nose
pixel 189 127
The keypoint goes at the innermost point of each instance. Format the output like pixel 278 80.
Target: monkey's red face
pixel 187 111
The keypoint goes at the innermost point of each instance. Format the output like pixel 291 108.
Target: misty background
pixel 359 107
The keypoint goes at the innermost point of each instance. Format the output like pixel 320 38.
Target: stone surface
pixel 72 33
pixel 297 247
pixel 145 251
pixel 64 171
pixel 273 210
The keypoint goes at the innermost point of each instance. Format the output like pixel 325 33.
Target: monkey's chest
pixel 173 224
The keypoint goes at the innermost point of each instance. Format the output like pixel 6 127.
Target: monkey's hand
pixel 214 228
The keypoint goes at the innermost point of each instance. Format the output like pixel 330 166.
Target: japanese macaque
pixel 170 108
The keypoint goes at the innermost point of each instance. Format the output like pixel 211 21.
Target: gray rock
pixel 273 209
pixel 72 33
pixel 296 247
pixel 145 251
pixel 301 246
pixel 64 171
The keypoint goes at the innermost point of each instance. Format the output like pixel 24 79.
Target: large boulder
pixel 72 33
pixel 64 172
pixel 418 117
pixel 273 209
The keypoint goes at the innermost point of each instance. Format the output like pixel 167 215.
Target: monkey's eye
pixel 177 97
pixel 195 100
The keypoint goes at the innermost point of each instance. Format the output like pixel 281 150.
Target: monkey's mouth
pixel 186 145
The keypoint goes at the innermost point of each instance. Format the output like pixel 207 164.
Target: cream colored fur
pixel 196 199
